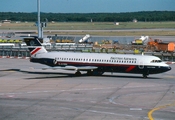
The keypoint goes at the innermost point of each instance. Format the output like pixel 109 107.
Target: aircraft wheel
pixel 78 73
pixel 98 73
pixel 145 75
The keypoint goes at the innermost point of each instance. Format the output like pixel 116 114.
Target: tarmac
pixel 29 93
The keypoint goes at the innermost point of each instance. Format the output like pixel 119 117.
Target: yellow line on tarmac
pixel 158 108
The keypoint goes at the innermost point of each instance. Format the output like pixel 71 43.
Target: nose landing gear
pixel 145 75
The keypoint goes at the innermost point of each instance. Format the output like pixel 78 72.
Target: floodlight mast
pixel 39 25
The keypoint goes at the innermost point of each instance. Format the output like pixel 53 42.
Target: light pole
pixel 39 25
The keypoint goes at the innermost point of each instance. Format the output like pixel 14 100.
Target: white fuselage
pixel 126 63
pixel 95 63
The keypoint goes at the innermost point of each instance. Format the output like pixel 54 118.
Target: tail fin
pixel 34 46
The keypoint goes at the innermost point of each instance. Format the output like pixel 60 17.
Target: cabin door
pixel 141 65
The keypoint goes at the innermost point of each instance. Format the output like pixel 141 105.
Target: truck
pixel 158 45
pixel 165 47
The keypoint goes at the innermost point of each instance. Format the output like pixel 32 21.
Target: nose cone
pixel 163 69
pixel 168 68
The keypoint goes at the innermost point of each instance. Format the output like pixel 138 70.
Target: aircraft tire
pixel 78 73
pixel 97 73
pixel 94 73
pixel 145 76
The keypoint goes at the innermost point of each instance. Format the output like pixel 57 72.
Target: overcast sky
pixel 86 6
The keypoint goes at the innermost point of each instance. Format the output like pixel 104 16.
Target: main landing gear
pixel 78 73
pixel 90 73
pixel 95 73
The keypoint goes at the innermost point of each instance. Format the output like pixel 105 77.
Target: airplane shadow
pixel 48 75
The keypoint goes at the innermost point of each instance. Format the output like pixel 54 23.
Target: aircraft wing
pixel 81 68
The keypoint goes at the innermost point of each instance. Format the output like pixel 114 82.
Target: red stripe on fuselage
pixel 130 68
pixel 35 50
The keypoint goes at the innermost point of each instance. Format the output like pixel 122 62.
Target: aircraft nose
pixel 168 68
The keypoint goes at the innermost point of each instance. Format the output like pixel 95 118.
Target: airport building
pixel 6 21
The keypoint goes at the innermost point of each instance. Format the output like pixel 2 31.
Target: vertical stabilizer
pixel 34 46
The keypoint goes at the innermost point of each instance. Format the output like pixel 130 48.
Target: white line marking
pixel 135 108
pixel 33 92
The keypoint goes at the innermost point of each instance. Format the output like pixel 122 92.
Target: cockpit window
pixel 156 61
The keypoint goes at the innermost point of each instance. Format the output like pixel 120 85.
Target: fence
pixel 14 53
pixel 23 52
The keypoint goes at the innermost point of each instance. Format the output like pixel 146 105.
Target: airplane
pixel 95 63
